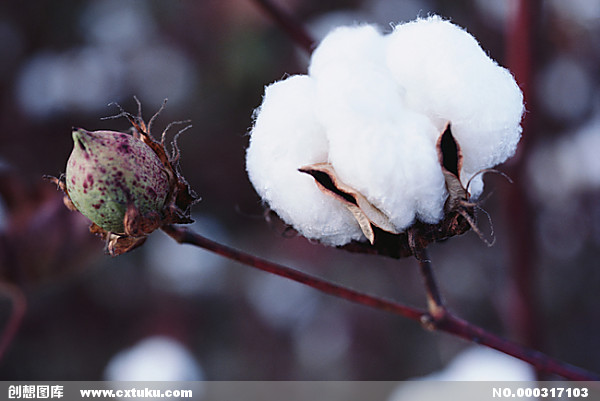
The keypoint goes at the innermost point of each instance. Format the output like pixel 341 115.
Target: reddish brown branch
pixel 521 307
pixel 540 361
pixel 435 304
pixel 439 321
pixel 185 236
pixel 288 24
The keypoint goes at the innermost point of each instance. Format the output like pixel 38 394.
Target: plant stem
pixel 435 304
pixel 185 236
pixel 288 24
pixel 441 319
pixel 521 308
pixel 433 319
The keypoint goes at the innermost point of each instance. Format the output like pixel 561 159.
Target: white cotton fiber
pixel 373 138
pixel 448 77
pixel 285 137
pixel 374 106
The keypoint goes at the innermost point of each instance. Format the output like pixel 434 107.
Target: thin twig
pixel 288 24
pixel 540 361
pixel 186 236
pixel 19 304
pixel 440 318
pixel 447 323
pixel 435 304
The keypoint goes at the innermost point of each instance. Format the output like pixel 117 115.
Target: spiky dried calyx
pixel 126 184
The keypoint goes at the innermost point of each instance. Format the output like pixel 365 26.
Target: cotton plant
pixel 380 146
pixel 387 134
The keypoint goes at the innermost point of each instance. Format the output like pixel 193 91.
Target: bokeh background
pixel 168 311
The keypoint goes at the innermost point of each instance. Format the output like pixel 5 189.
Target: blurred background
pixel 174 312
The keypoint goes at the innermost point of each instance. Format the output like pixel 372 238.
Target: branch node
pixel 428 322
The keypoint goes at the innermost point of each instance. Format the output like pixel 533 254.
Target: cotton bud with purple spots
pixel 109 171
pixel 127 184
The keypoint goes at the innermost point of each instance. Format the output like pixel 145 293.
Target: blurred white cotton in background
pixel 559 173
pixel 155 358
pixel 559 169
pixel 497 12
pixel 373 107
pixel 480 363
pixel 583 12
pixel 183 269
pixel 322 343
pixel 158 72
pixel 122 56
pixel 564 88
pixel 121 25
pixel 562 228
pixel 84 79
pixel 281 303
pixel 473 364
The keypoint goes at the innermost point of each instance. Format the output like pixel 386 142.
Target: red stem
pixel 444 321
pixel 185 236
pixel 523 317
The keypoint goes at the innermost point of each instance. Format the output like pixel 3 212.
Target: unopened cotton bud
pixel 108 172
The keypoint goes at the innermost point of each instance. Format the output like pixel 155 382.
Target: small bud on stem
pixel 126 184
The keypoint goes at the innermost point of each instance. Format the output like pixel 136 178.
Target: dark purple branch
pixel 540 361
pixel 185 236
pixel 443 321
pixel 288 24
pixel 521 295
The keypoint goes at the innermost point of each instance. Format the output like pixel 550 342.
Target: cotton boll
pixel 379 148
pixel 448 77
pixel 285 137
pixel 373 107
pixel 392 166
pixel 351 79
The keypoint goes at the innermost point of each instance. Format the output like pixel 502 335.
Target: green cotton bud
pixel 110 172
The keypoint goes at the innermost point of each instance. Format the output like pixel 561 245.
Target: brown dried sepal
pixel 366 214
pixel 117 244
pixel 383 238
pixel 178 203
pixel 60 183
pixel 180 197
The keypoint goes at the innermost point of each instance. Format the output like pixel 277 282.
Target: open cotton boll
pixel 448 77
pixel 285 137
pixel 370 112
pixel 376 145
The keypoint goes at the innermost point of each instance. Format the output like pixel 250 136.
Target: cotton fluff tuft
pixel 285 137
pixel 450 78
pixel 373 105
